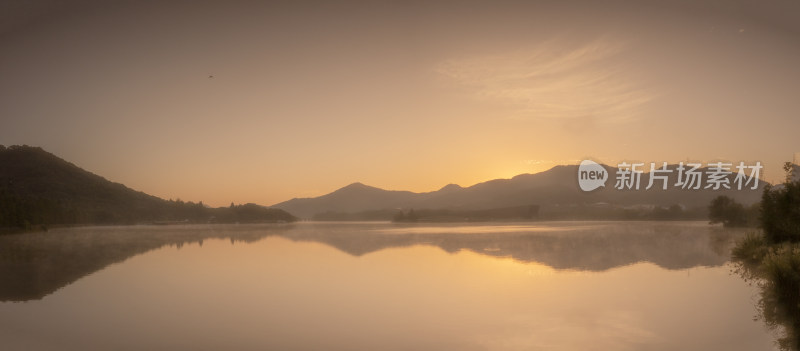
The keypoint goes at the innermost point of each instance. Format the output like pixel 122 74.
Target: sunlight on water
pixel 343 287
pixel 483 229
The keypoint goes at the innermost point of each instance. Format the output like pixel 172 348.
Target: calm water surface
pixel 378 286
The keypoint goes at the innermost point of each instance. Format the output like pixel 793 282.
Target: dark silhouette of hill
pixel 34 265
pixel 39 189
pixel 352 198
pixel 555 190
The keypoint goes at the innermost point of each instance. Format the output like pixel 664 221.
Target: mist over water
pixel 367 286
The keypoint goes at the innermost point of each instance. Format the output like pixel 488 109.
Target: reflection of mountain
pixel 591 246
pixel 33 265
pixel 36 264
pixel 555 187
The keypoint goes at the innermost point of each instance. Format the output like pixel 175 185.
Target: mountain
pixel 555 191
pixel 37 189
pixel 355 197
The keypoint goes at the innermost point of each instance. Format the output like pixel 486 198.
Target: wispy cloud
pixel 555 80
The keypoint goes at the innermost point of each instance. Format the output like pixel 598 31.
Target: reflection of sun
pixel 505 267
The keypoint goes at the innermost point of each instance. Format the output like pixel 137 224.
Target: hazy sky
pixel 307 97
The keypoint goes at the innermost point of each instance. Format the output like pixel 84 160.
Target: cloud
pixel 554 81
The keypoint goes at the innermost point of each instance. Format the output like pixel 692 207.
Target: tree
pixel 399 216
pixel 727 211
pixel 780 209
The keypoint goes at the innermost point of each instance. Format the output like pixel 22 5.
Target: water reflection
pixel 562 245
pixel 777 304
pixel 33 265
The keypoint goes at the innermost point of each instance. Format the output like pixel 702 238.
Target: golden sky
pixel 242 101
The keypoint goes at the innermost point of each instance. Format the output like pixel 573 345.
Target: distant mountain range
pixel 38 189
pixel 554 190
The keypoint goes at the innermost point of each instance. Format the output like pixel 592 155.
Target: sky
pixel 246 101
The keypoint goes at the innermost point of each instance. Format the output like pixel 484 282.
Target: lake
pixel 378 286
